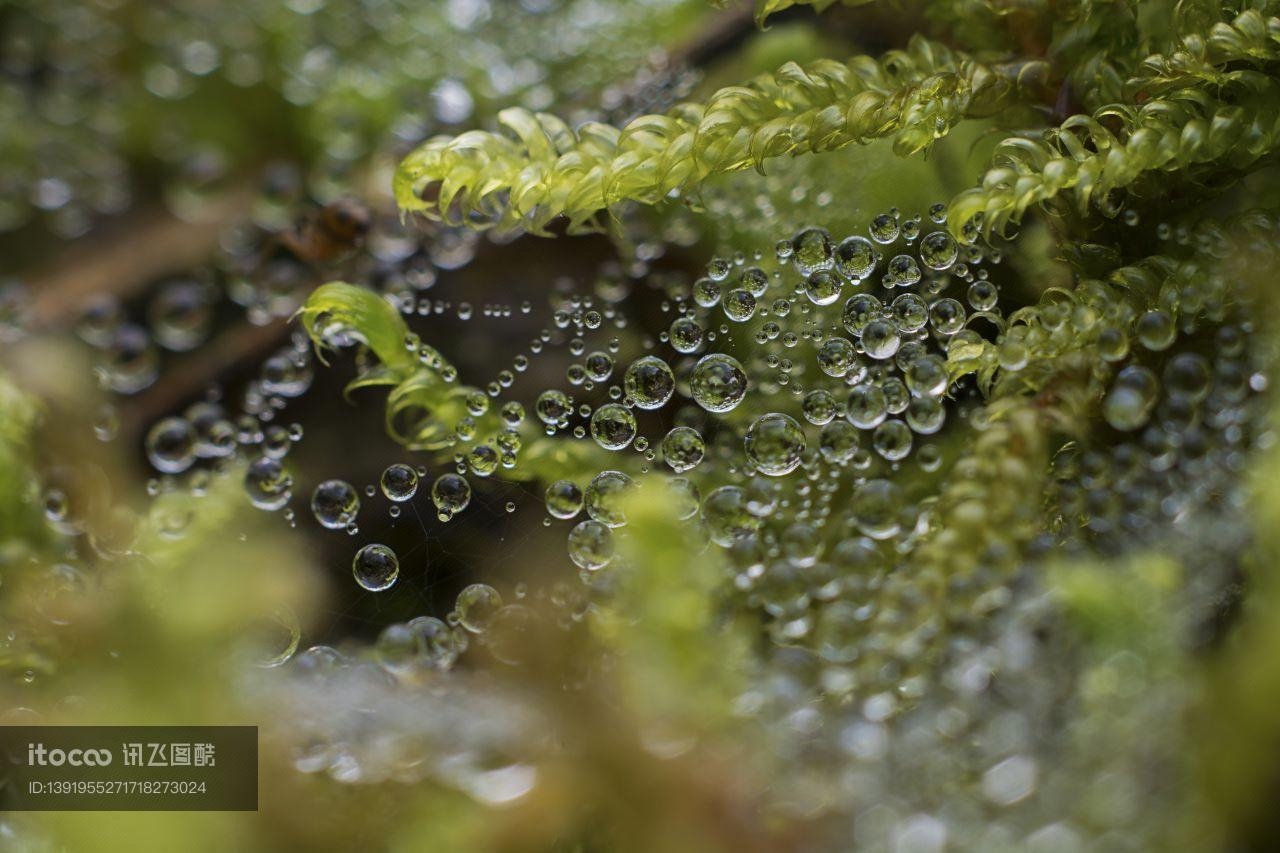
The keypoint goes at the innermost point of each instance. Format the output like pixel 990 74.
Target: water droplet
pixel 590 545
pixel 947 316
pixel 375 567
pixel 837 356
pixel 1132 397
pixel 180 315
pixel 739 305
pixel 838 442
pixel 683 448
pixel 938 250
pixel 866 406
pixel 451 493
pixel 892 439
pixel 335 504
pixel 171 445
pixel 718 383
pixel 927 376
pixel 902 271
pixel 859 310
pixel 823 287
pixel 1187 377
pixel 399 482
pixel 649 382
pixel 725 512
pixel 685 334
pixel 476 607
pixel 876 506
pixel 438 644
pixel 1156 330
pixel 552 407
pixel 856 257
pixel 775 443
pixel 909 312
pixel 884 228
pixel 564 499
pixel 880 339
pixel 613 426
pixel 983 295
pixel 755 281
pixel 819 407
pixel 812 251
pixel 605 497
pixel 268 483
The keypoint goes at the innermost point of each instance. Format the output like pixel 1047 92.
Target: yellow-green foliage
pixel 1092 157
pixel 682 661
pixel 19 510
pixel 1059 335
pixel 544 169
pixel 1202 98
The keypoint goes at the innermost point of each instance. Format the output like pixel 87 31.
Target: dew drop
pixel 335 504
pixel 375 567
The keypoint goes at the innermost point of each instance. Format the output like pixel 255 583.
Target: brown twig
pixel 724 32
pixel 126 256
pixel 238 347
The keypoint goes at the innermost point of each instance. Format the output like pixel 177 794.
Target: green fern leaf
pixel 1090 157
pixel 541 169
pixel 426 402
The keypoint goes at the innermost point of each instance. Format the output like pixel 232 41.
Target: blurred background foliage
pixel 1111 690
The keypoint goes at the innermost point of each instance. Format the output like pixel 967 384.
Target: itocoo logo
pixel 37 754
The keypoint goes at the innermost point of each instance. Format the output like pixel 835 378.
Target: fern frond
pixel 1101 44
pixel 544 169
pixel 984 503
pixel 1092 156
pixel 981 518
pixel 977 527
pixel 1061 335
pixel 426 402
pixel 1230 53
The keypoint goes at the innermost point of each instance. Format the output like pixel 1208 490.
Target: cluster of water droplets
pixel 838 348
pixel 796 407
pixel 794 395
pixel 1187 428
pixel 798 410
